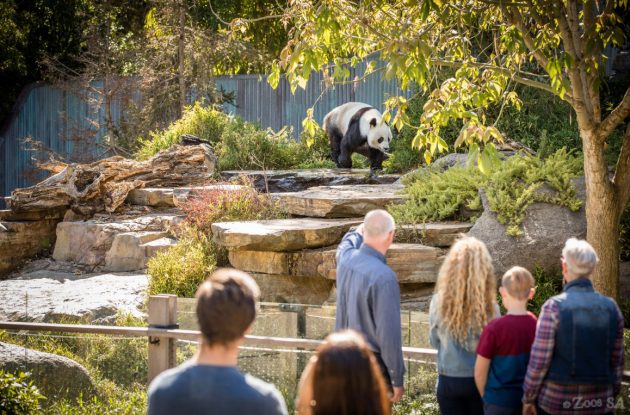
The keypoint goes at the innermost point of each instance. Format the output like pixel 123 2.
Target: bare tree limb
pixel 616 117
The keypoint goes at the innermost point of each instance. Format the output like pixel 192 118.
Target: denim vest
pixel 585 337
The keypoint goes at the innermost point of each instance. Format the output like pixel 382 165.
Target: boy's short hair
pixel 226 305
pixel 518 282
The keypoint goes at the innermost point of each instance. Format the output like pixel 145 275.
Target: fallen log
pixel 104 184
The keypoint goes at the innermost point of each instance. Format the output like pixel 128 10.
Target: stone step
pixel 440 234
pixel 281 234
pixel 412 263
pixel 22 240
pixel 171 196
pixel 111 245
pixel 34 215
pixel 158 245
pixel 128 251
pixel 340 201
pixel 291 289
pixel 279 181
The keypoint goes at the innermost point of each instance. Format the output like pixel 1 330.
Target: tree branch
pixel 616 117
pixel 523 81
pixel 582 104
pixel 621 180
pixel 515 18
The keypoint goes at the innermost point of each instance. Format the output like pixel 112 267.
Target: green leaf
pixel 274 76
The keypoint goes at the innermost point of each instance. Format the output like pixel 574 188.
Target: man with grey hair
pixel 368 296
pixel 576 362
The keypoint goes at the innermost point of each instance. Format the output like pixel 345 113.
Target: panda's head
pixel 379 134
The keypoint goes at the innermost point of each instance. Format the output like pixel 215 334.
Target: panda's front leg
pixel 376 160
pixel 345 158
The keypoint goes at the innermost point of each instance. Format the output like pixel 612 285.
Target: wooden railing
pixel 162 333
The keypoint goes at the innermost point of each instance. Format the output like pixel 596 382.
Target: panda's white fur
pixel 340 117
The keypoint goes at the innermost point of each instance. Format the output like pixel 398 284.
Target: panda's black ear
pixel 373 122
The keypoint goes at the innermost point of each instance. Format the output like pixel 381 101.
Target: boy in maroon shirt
pixel 504 346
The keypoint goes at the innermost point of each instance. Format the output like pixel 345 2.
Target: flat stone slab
pixel 281 234
pixel 340 201
pixel 412 263
pixel 49 296
pixel 171 196
pixel 279 181
pixel 440 234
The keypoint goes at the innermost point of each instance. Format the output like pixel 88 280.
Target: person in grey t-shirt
pixel 368 295
pixel 210 383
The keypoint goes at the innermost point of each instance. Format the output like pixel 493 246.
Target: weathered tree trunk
pixel 602 215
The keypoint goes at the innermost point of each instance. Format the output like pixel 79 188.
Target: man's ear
pixel 373 122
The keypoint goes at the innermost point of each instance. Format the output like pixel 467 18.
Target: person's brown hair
pixel 518 282
pixel 343 378
pixel 226 306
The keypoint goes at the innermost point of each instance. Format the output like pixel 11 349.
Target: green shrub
pixel 18 395
pixel 514 186
pixel 510 189
pixel 206 123
pixel 434 196
pixel 131 401
pixel 246 146
pixel 181 268
pixel 419 397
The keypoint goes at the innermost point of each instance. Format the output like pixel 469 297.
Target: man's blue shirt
pixel 368 300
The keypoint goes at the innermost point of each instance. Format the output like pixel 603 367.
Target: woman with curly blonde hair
pixel 464 302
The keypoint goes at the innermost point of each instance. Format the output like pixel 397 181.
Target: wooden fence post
pixel 162 314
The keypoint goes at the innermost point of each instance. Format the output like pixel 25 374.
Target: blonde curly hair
pixel 466 290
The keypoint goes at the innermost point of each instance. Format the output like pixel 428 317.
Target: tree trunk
pixel 602 215
pixel 182 81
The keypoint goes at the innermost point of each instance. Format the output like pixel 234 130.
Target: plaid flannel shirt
pixel 557 398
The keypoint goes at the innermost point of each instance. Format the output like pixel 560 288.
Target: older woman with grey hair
pixel 576 362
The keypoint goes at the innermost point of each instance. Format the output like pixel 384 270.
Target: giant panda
pixel 357 127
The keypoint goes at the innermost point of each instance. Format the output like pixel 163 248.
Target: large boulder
pixel 545 230
pixel 57 377
pixel 112 244
pixel 49 295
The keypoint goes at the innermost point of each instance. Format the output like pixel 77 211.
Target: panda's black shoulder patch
pixel 353 136
pixel 357 115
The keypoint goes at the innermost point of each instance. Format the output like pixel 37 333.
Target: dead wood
pixel 104 184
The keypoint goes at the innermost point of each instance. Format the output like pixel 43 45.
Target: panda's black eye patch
pixel 380 140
